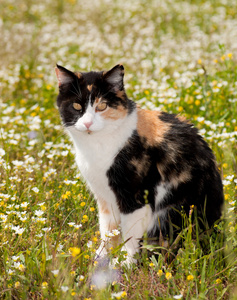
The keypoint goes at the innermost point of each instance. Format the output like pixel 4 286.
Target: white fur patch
pixel 133 226
pixel 158 218
pixel 95 153
pixel 157 221
pixel 161 191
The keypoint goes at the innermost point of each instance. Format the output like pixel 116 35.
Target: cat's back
pixel 157 128
pixel 174 144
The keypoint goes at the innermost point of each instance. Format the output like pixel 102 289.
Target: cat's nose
pixel 88 124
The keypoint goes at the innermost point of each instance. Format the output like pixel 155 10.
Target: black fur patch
pixel 182 150
pixel 126 183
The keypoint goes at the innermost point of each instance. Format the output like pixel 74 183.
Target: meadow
pixel 179 57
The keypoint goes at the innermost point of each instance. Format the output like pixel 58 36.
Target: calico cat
pixel 142 166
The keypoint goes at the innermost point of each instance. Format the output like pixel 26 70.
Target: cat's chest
pixel 93 164
pixel 96 152
pixel 94 157
pixel 94 160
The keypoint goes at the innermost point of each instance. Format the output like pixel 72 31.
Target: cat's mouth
pixel 89 131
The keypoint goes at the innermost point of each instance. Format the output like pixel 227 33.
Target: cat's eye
pixel 101 106
pixel 77 106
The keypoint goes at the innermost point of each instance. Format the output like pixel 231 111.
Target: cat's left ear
pixel 115 76
pixel 64 76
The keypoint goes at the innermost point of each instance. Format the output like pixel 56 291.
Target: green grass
pixel 180 57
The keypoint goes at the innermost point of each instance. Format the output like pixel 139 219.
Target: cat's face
pixel 93 101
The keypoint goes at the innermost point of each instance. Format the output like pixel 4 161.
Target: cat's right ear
pixel 115 76
pixel 64 76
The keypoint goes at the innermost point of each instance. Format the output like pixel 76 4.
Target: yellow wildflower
pixel 74 251
pixel 81 277
pixel 190 277
pixel 43 207
pixel 218 281
pixel 160 273
pixel 21 267
pixel 85 218
pixel 23 101
pixel 151 265
pixel 197 102
pixel 168 275
pixel 119 295
pixel 66 195
pixel 44 285
pixel 94 239
pixel 223 57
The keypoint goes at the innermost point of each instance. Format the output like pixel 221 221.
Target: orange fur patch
pixel 181 178
pixel 89 87
pixel 120 94
pixel 97 100
pixel 78 74
pixel 183 119
pixel 103 207
pixel 176 178
pixel 151 127
pixel 141 165
pixel 115 113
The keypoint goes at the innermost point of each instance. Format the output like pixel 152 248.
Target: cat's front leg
pixel 109 220
pixel 133 226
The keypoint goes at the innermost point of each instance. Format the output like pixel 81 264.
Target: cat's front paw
pixel 126 260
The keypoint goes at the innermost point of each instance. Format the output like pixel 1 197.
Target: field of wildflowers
pixel 180 57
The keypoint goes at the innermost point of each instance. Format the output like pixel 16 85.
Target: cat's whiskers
pixel 76 90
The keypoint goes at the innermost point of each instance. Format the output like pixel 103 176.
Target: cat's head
pixel 92 101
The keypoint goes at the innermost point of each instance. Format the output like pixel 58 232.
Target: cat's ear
pixel 64 76
pixel 115 76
